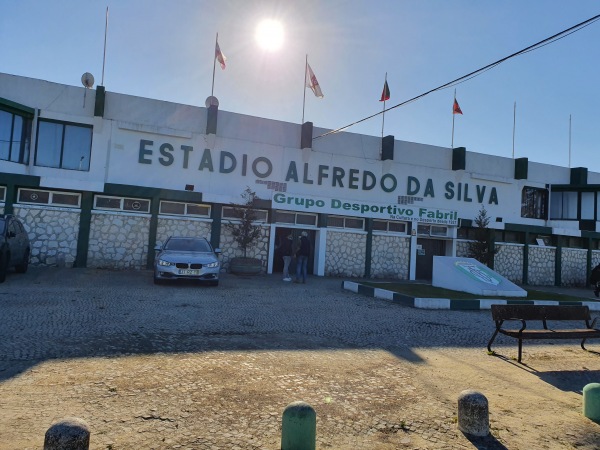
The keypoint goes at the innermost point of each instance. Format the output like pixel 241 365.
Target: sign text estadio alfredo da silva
pixel 261 167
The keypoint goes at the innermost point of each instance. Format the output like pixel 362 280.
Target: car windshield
pixel 188 245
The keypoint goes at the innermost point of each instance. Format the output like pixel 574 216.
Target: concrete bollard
pixel 473 414
pixel 68 434
pixel 299 427
pixel 591 401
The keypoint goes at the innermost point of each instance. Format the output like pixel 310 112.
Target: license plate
pixel 188 272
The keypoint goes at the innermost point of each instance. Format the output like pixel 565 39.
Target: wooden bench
pixel 543 314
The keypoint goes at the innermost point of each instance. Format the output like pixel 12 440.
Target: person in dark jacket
pixel 287 252
pixel 302 255
pixel 595 280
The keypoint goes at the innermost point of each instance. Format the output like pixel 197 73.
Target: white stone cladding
pixel 573 267
pixel 390 256
pixel 52 233
pixel 508 261
pixel 345 254
pixel 183 227
pixel 462 248
pixel 231 249
pixel 118 240
pixel 541 266
pixel 595 258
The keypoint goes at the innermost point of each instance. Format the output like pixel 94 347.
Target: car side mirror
pixel 157 248
pixel 218 251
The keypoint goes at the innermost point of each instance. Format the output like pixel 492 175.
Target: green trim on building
pixel 368 247
pixel 85 224
pixel 537 229
pixel 154 208
pixel 146 192
pixel 15 107
pixel 558 263
pixel 526 260
pixel 13 182
pixel 216 213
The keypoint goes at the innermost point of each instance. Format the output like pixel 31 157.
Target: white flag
pixel 220 56
pixel 311 82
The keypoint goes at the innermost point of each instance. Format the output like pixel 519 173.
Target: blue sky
pixel 163 49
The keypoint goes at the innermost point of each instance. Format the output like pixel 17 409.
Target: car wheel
pixel 22 268
pixel 3 267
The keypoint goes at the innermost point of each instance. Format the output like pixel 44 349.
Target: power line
pixel 477 72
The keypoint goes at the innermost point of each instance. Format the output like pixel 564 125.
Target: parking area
pixel 184 366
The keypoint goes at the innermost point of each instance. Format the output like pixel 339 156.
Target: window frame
pixel 345 219
pixel 186 213
pixel 122 200
pixel 62 144
pixel 24 147
pixel 262 215
pixel 50 201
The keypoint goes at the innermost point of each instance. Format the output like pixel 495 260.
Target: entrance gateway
pixel 407 235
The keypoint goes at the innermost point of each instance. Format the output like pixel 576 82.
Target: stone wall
pixel 52 233
pixel 231 249
pixel 595 258
pixel 390 256
pixel 573 267
pixel 462 248
pixel 118 241
pixel 508 261
pixel 183 227
pixel 345 254
pixel 541 266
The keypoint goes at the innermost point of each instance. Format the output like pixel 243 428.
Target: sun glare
pixel 269 35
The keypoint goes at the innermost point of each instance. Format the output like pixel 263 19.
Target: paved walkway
pixel 192 367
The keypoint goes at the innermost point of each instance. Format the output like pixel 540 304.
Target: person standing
pixel 287 252
pixel 302 258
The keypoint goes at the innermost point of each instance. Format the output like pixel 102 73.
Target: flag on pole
pixel 220 56
pixel 311 82
pixel 385 94
pixel 456 109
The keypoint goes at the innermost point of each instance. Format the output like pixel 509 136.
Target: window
pixel 2 193
pixel 389 226
pixel 122 204
pixel 345 222
pixel 296 218
pixel 184 209
pixel 587 205
pixel 15 134
pixel 229 213
pixel 534 203
pixel 54 198
pixel 63 145
pixel 432 230
pixel 563 205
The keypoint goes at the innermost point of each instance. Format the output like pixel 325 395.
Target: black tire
pixel 22 268
pixel 3 267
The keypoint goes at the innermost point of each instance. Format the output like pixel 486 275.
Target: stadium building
pixel 100 178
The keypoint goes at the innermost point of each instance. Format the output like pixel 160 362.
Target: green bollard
pixel 591 401
pixel 299 427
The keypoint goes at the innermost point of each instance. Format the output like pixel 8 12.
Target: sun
pixel 269 35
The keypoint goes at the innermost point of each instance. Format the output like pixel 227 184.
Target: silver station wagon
pixel 187 258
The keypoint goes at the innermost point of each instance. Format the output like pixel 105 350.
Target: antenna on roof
pixel 87 79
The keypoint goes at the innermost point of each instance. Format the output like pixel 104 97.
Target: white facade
pixel 140 143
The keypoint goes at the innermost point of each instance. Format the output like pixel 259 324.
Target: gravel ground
pixel 184 366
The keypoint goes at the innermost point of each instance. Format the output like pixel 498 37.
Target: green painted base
pixel 591 401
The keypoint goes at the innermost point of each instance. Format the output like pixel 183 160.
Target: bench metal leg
pixel 489 346
pixel 583 345
pixel 520 349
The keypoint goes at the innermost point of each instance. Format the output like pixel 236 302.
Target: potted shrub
pixel 246 233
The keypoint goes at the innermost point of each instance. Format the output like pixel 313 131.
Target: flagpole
pixel 214 65
pixel 514 125
pixel 104 57
pixel 452 145
pixel 569 141
pixel 304 89
pixel 383 112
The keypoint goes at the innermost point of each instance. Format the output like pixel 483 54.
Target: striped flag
pixel 220 56
pixel 385 94
pixel 456 109
pixel 311 82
